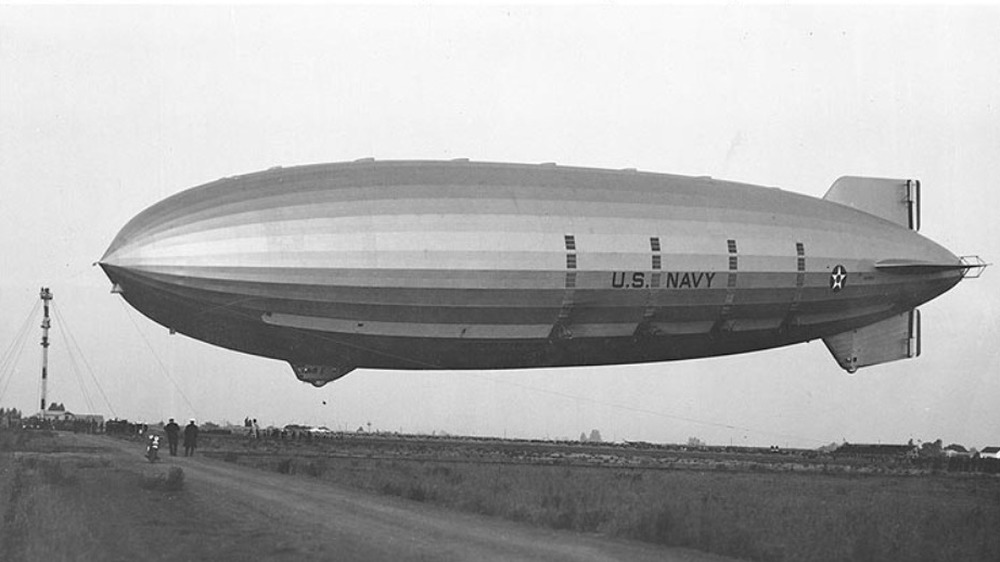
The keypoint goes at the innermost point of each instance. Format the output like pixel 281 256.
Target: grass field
pixel 767 508
pixel 36 491
pixel 711 505
pixel 63 504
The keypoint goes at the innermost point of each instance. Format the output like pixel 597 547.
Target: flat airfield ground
pixel 746 503
pixel 381 497
pixel 87 497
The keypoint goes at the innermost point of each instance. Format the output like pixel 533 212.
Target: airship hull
pixel 458 265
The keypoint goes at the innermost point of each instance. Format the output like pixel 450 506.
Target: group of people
pixel 173 432
pixel 253 430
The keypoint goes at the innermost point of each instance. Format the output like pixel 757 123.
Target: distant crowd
pixel 76 426
pixel 125 428
pixel 290 432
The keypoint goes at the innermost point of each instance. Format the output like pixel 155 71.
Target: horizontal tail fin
pixel 917 266
pixel 971 266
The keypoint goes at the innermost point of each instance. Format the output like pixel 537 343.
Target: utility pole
pixel 46 296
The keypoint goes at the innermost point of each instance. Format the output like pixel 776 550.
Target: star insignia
pixel 838 278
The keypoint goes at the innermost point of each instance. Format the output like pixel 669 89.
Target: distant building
pixel 955 450
pixel 875 451
pixel 990 453
pixel 58 413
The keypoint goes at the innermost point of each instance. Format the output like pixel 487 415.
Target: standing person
pixel 190 438
pixel 173 431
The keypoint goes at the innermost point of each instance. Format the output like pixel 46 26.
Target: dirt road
pixel 229 512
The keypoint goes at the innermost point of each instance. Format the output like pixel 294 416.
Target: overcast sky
pixel 106 110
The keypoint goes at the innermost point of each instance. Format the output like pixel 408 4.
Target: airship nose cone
pixel 112 273
pixel 128 255
pixel 108 262
pixel 112 263
pixel 128 239
pixel 116 273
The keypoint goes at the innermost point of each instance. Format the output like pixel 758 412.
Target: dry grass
pixel 48 499
pixel 38 491
pixel 756 516
pixel 170 481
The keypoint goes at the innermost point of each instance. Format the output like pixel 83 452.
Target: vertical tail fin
pixel 888 340
pixel 894 200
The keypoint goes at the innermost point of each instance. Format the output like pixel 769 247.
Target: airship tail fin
pixel 888 340
pixel 894 200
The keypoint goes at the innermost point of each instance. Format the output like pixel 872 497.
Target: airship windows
pixel 800 276
pixel 570 251
pixel 570 261
pixel 731 282
pixel 654 246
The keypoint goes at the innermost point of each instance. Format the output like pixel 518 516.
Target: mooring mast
pixel 46 296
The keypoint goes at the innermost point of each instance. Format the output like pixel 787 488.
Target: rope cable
pixel 425 364
pixel 71 340
pixel 651 412
pixel 163 367
pixel 557 393
pixel 79 381
pixel 60 322
pixel 9 357
pixel 16 348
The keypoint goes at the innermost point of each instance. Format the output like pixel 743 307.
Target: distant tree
pixel 210 425
pixel 583 437
pixel 595 436
pixel 931 450
pixel 833 446
pixel 695 442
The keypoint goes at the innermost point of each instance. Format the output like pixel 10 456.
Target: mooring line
pixel 163 367
pixel 14 350
pixel 71 339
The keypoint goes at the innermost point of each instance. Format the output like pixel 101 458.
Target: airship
pixel 465 265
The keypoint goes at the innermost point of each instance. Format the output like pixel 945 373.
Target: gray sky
pixel 105 111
